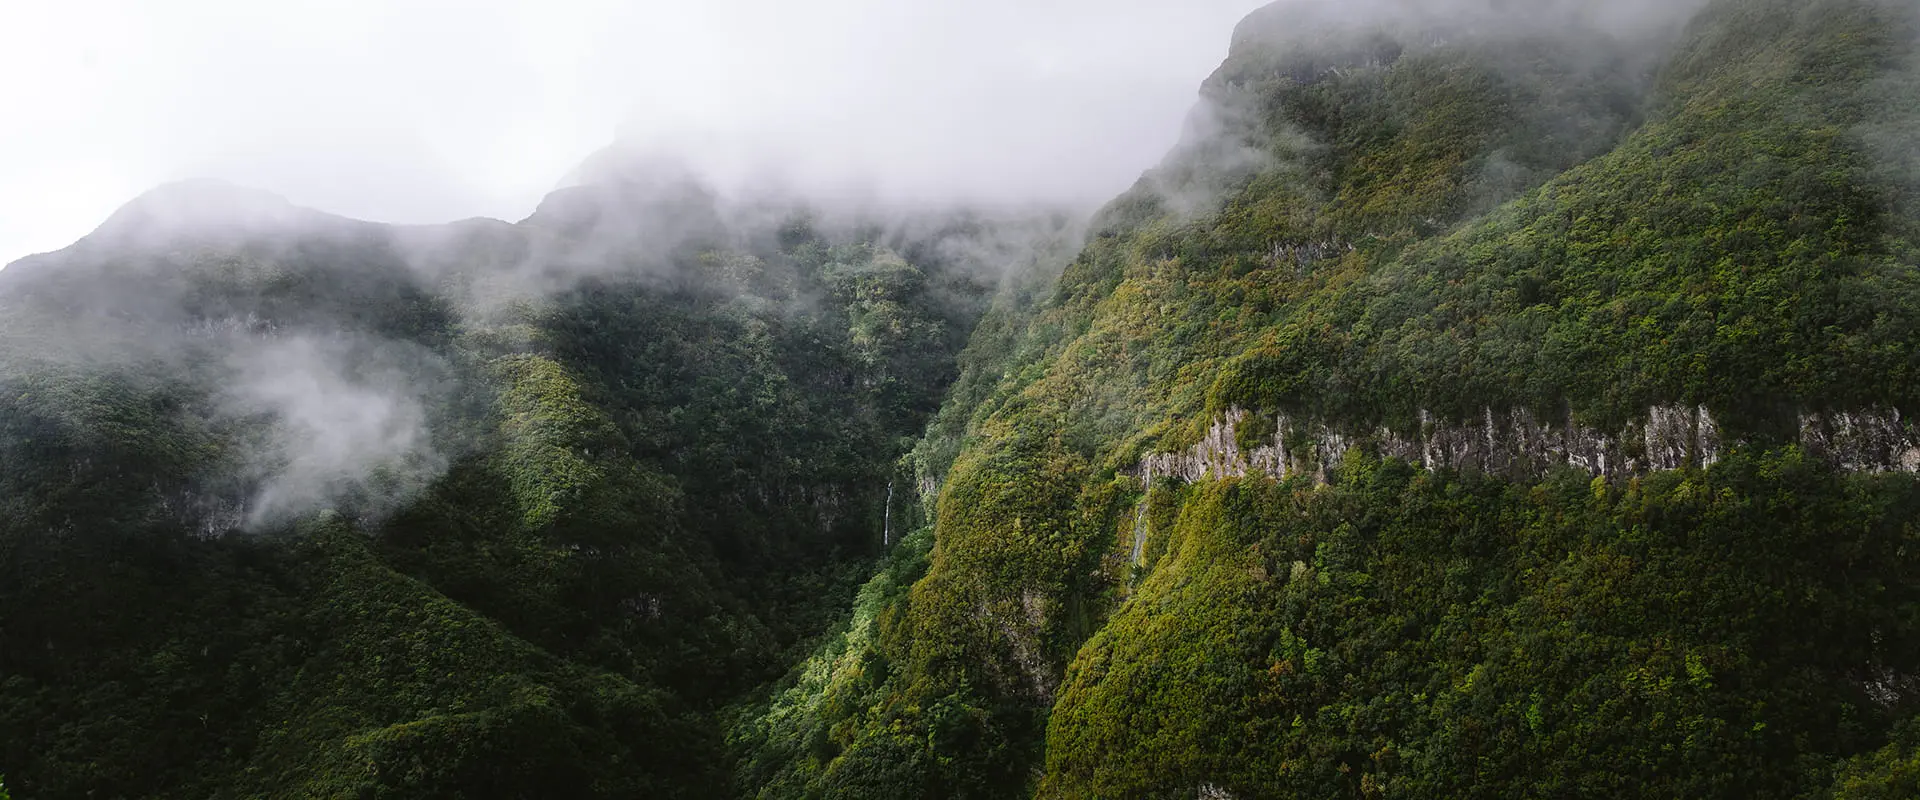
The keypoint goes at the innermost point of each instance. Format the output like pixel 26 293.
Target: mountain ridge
pixel 1499 400
pixel 1390 244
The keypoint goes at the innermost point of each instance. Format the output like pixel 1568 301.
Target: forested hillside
pixel 1485 399
pixel 301 506
pixel 1525 386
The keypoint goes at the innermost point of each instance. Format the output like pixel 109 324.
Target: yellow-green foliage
pixel 1188 614
pixel 1469 221
pixel 663 484
pixel 1433 635
pixel 550 432
pixel 800 735
pixel 1889 773
pixel 1006 519
pixel 659 483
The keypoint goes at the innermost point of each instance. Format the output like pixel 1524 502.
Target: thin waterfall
pixel 886 518
pixel 1140 517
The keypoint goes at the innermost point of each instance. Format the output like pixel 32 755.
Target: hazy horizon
pixel 437 111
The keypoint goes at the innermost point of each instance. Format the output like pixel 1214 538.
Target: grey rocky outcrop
pixel 1517 444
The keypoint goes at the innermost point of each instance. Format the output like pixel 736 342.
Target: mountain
pixel 304 506
pixel 1487 398
pixel 1504 400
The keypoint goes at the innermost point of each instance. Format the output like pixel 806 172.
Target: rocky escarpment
pixel 1518 444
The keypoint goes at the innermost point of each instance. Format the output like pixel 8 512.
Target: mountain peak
pixel 199 207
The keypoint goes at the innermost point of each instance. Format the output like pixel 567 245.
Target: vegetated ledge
pixel 1516 444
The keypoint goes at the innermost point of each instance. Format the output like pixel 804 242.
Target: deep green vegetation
pixel 635 490
pixel 1446 216
pixel 632 459
pixel 1402 633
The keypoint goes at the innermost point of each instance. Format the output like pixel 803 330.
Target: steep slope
pixel 1485 399
pixel 303 506
pixel 1527 391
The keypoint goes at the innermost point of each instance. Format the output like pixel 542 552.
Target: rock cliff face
pixel 1517 444
pixel 1468 208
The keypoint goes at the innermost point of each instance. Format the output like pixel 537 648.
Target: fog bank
pixel 430 111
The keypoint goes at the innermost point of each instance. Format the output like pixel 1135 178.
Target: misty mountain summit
pixel 1483 399
pixel 635 203
pixel 201 206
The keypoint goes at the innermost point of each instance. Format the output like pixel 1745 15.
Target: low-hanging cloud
pixel 433 111
pixel 345 424
pixel 1888 134
pixel 1232 134
pixel 428 111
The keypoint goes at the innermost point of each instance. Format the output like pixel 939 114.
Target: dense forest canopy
pixel 298 505
pixel 1485 399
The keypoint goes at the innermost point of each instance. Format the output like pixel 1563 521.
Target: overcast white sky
pixel 432 110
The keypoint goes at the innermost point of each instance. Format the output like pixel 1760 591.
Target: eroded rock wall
pixel 1517 444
